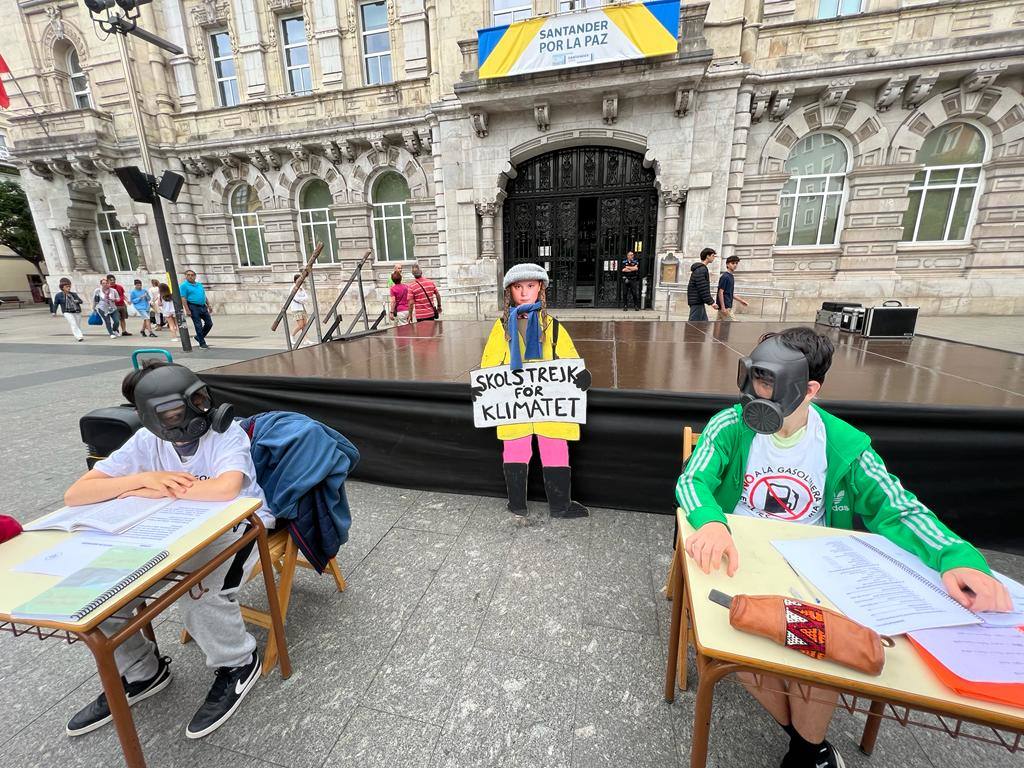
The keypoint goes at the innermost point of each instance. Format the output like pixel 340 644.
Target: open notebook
pixel 114 516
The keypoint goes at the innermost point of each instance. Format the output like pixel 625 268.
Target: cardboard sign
pixel 542 391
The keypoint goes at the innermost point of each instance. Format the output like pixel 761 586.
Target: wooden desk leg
pixel 712 672
pixel 874 722
pixel 675 630
pixel 103 652
pixel 277 625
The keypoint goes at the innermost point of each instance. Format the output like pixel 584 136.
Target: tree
pixel 17 230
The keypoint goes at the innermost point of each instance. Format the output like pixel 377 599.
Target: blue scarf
pixel 534 350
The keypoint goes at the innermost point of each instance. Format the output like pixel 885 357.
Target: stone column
pixel 183 65
pixel 487 211
pixel 79 256
pixel 673 199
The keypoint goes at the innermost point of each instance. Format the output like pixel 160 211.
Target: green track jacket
pixel 856 483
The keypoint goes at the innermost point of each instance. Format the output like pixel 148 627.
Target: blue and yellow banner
pixel 614 33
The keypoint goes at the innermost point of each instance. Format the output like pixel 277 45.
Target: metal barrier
pixel 476 291
pixel 764 293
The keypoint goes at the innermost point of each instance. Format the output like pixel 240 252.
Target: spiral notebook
pixel 879 585
pixel 85 590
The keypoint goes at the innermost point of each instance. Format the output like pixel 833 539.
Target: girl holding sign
pixel 526 332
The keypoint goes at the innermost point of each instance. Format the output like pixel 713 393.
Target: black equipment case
pixel 890 321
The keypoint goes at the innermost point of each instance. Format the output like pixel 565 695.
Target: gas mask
pixel 781 375
pixel 175 405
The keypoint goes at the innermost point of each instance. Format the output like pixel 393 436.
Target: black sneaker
pixel 96 714
pixel 826 757
pixel 125 333
pixel 228 689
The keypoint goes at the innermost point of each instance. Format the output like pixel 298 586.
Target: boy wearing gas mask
pixel 187 449
pixel 778 456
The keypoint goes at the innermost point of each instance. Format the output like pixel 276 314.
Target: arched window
pixel 81 98
pixel 118 243
pixel 245 221
pixel 316 222
pixel 812 199
pixel 392 222
pixel 942 195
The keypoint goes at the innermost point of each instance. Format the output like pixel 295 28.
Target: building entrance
pixel 577 211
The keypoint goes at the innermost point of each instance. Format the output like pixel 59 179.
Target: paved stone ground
pixel 461 641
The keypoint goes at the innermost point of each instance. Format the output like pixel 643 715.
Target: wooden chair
pixel 285 557
pixel 690 439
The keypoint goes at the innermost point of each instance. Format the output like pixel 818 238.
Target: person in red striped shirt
pixel 425 297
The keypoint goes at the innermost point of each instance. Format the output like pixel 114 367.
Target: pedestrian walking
pixel 727 290
pixel 167 308
pixel 122 304
pixel 698 290
pixel 194 295
pixel 70 305
pixel 298 310
pixel 426 300
pixel 399 310
pixel 104 302
pixel 156 315
pixel 139 297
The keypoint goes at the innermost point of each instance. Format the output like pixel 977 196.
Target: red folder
pixel 1001 693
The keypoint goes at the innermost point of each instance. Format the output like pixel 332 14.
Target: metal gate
pixel 577 211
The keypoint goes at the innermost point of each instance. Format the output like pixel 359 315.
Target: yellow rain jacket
pixel 496 353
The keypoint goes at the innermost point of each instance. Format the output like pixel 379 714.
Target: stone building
pixel 857 149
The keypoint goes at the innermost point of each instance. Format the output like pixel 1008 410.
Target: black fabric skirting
pixel 964 463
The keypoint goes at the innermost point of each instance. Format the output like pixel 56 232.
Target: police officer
pixel 630 270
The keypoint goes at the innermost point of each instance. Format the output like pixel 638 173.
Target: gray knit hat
pixel 522 272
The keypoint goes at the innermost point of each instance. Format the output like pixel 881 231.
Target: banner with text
pixel 542 391
pixel 613 33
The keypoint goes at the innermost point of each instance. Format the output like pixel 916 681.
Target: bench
pixel 5 300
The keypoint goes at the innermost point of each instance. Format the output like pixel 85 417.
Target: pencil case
pixel 9 528
pixel 810 629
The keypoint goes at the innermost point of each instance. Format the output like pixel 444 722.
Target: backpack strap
pixel 554 338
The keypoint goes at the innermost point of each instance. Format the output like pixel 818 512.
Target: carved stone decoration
pixel 84 165
pixel 412 141
pixel 423 135
pixel 62 167
pixel 209 13
pixel 836 92
pixel 890 93
pixel 79 258
pixel 982 77
pixel 684 101
pixel 40 169
pixel 229 161
pixel 759 104
pixel 378 142
pixel 203 166
pixel 673 199
pixel 331 151
pixel 347 150
pixel 919 90
pixel 53 13
pixel 542 114
pixel 352 24
pixel 273 159
pixel 298 151
pixel 487 210
pixel 479 122
pixel 674 196
pixel 258 160
pixel 104 164
pixel 392 13
pixel 780 104
pixel 610 108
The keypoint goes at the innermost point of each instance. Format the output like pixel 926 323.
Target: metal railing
pixel 333 317
pixel 763 293
pixel 476 291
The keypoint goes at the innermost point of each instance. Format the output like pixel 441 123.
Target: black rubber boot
pixel 515 482
pixel 557 482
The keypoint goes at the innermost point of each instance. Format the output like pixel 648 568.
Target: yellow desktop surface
pixel 17 588
pixel 763 571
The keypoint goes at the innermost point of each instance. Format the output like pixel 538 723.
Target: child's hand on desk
pixel 145 493
pixel 709 544
pixel 166 483
pixel 976 590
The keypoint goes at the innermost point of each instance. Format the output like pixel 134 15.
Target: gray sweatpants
pixel 214 620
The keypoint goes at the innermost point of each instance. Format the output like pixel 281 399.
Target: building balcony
pixel 56 131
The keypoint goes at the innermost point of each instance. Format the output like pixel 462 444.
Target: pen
pixel 804 582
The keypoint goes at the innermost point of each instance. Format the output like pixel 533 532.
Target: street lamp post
pixel 122 25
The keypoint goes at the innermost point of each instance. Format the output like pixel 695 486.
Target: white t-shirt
pixel 299 301
pixel 154 296
pixel 218 452
pixel 787 483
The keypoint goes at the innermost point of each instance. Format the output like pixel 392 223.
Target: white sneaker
pixel 115 335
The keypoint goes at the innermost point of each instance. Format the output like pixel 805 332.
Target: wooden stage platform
pixel 948 418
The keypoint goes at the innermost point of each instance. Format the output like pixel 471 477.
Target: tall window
pixel 376 43
pixel 942 195
pixel 224 69
pixel 392 222
pixel 118 244
pixel 812 199
pixel 296 56
pixel 830 9
pixel 245 221
pixel 579 5
pixel 316 222
pixel 80 95
pixel 507 11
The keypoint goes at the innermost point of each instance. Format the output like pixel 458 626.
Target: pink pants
pixel 554 452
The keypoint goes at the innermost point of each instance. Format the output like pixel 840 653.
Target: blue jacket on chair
pixel 302 465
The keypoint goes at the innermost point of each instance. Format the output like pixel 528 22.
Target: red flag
pixel 5 101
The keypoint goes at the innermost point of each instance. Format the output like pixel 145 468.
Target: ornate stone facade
pixel 718 124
